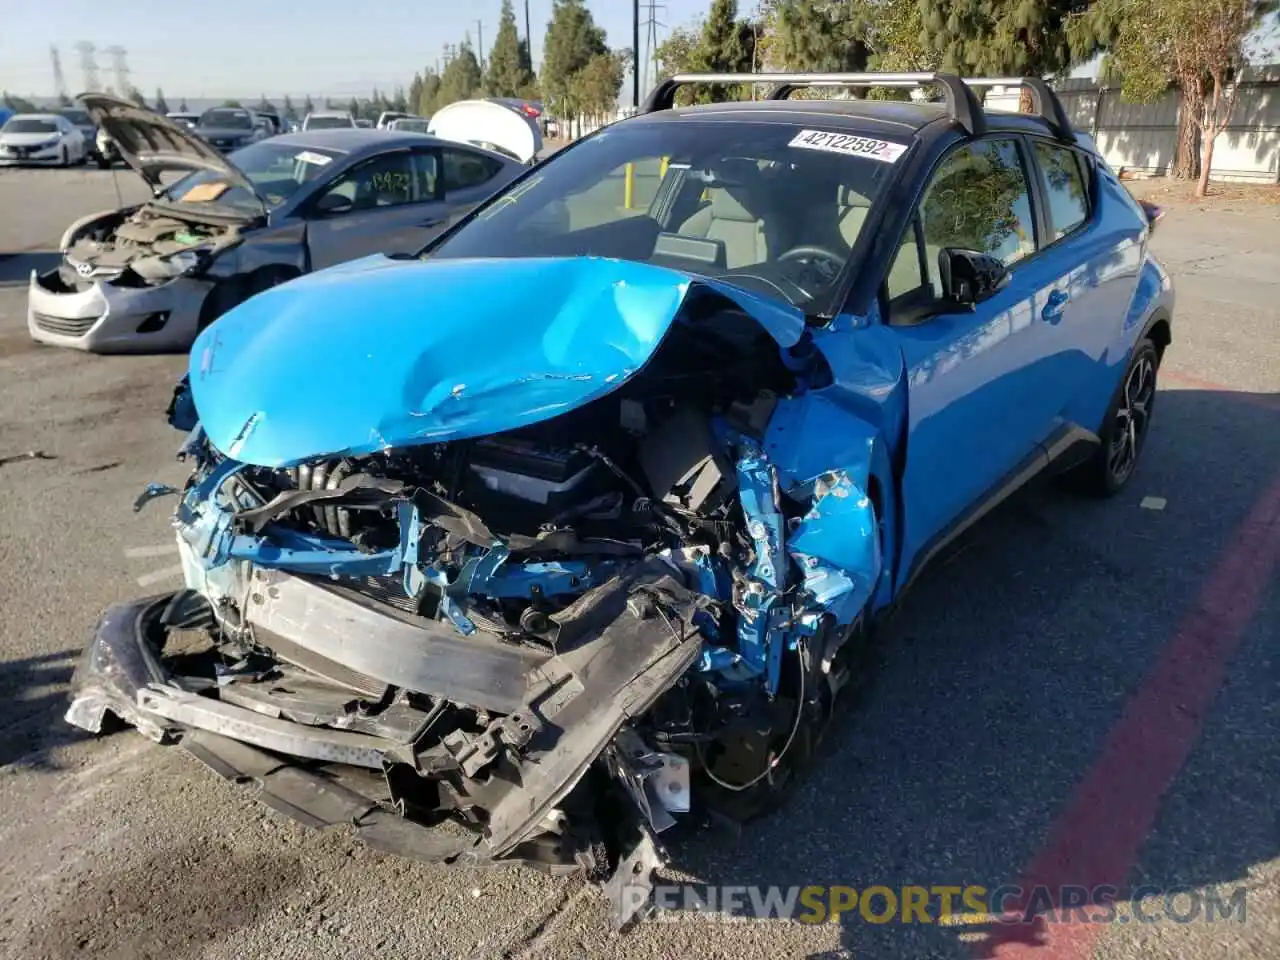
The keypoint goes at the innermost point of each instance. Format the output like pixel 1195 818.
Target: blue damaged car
pixel 529 546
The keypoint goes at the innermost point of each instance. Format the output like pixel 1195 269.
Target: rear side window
pixel 464 169
pixel 1065 187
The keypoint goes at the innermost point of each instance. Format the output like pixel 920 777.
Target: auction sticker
pixel 307 156
pixel 849 145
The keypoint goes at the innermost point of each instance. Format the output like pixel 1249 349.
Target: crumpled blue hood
pixel 382 353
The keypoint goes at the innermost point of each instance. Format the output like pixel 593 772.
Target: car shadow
pixel 1010 663
pixel 33 697
pixel 15 268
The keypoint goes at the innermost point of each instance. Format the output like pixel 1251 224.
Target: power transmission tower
pixel 652 23
pixel 120 68
pixel 59 81
pixel 88 65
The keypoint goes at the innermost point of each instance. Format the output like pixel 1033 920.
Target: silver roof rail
pixel 963 105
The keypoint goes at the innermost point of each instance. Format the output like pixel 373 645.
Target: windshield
pixel 276 171
pixel 29 125
pixel 227 119
pixel 771 207
pixel 79 117
pixel 327 123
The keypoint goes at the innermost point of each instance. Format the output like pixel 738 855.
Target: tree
pixel 65 100
pixel 1198 45
pixel 414 98
pixel 892 34
pixel 136 96
pixel 400 102
pixel 353 108
pixel 572 40
pixel 308 106
pixel 264 105
pixel 508 73
pixel 461 79
pixel 819 35
pixel 287 109
pixel 233 103
pixel 430 96
pixel 725 45
pixel 595 86
pixel 182 105
pixel 16 103
pixel 162 105
pixel 1005 37
pixel 675 53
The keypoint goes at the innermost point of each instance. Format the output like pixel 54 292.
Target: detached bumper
pixel 106 318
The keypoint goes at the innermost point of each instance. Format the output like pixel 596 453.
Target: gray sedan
pixel 150 277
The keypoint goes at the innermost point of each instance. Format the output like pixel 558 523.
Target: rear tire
pixel 1124 431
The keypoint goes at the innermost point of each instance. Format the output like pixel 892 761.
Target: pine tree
pixel 415 94
pixel 399 101
pixel 182 105
pixel 508 73
pixel 353 108
pixel 724 46
pixel 819 35
pixel 308 106
pixel 162 105
pixel 289 111
pixel 264 105
pixel 461 79
pixel 136 96
pixel 1005 37
pixel 429 99
pixel 572 40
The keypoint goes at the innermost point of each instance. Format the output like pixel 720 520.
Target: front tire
pixel 1124 431
pixel 64 156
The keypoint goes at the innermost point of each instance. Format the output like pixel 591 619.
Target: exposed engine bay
pixel 142 246
pixel 551 642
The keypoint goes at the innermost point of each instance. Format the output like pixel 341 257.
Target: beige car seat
pixel 735 214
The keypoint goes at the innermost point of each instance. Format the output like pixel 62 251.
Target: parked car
pixel 41 138
pixel 387 117
pixel 185 119
pixel 328 120
pixel 578 521
pixel 148 277
pixel 231 128
pixel 489 124
pixel 80 118
pixel 408 125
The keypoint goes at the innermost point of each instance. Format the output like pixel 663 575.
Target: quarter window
pixel 1064 187
pixel 464 169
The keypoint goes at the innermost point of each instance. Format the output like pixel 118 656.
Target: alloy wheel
pixel 1132 418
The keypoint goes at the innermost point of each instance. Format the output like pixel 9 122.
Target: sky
pixel 242 48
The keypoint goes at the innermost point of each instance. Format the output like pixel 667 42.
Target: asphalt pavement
pixel 1081 692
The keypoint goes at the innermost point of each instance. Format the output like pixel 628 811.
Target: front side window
pixel 773 207
pixel 977 199
pixel 390 180
pixel 1064 187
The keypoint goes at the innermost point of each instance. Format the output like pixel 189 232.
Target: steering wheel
pixel 810 251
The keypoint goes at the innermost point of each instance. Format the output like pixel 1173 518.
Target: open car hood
pixel 381 353
pixel 153 144
pixel 488 124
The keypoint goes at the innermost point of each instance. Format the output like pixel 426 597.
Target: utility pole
pixel 59 81
pixel 480 43
pixel 528 33
pixel 635 54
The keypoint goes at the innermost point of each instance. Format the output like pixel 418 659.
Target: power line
pixel 651 41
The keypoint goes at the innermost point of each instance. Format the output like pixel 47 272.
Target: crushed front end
pixel 545 644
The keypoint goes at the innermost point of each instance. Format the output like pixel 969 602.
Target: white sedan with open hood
pixel 149 277
pixel 490 124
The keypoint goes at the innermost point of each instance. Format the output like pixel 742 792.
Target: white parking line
pixel 161 550
pixel 159 576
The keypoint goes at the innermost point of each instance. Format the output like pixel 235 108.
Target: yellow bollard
pixel 662 167
pixel 629 186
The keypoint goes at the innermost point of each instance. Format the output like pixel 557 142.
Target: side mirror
pixel 334 203
pixel 1154 213
pixel 969 277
